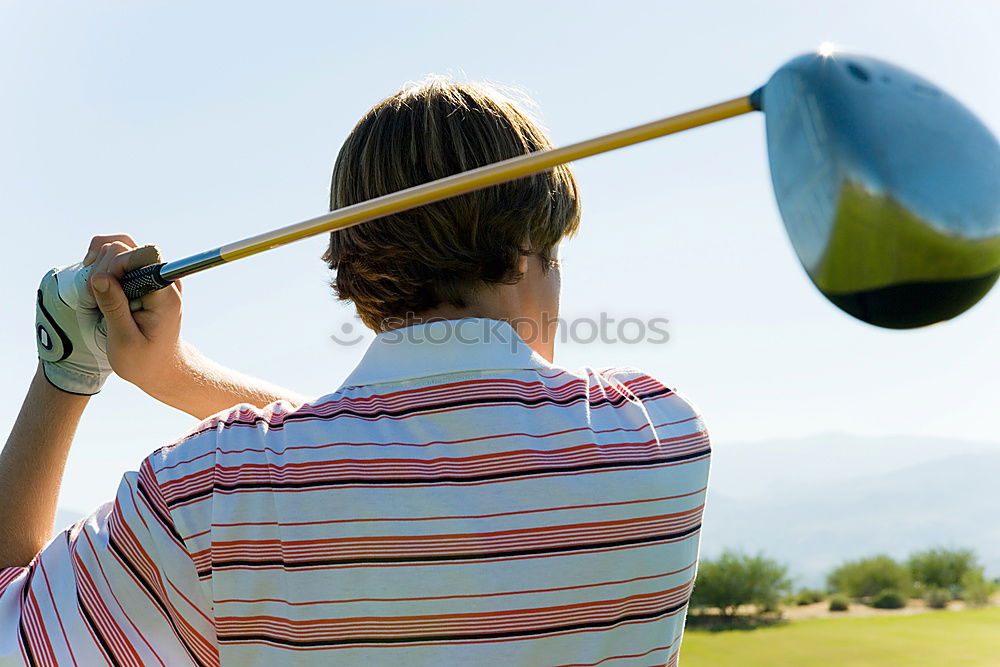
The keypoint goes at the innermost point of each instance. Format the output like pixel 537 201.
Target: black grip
pixel 143 281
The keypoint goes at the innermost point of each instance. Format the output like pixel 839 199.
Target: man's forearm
pixel 202 387
pixel 31 469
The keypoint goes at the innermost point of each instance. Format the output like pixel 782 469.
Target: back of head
pixel 441 253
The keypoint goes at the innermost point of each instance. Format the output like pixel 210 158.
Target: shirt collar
pixel 441 347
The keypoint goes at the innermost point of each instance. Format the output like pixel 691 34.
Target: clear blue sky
pixel 193 124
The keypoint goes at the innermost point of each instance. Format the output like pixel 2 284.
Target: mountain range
pixel 812 503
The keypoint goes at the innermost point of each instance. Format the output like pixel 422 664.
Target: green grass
pixel 952 638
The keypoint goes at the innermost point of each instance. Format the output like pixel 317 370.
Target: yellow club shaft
pixel 475 179
pixel 150 278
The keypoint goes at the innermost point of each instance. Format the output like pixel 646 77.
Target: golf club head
pixel 888 187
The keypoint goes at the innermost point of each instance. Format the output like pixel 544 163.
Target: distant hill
pixel 816 501
pixel 66 518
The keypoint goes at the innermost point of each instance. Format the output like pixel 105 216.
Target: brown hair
pixel 441 253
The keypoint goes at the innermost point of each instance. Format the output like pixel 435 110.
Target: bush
pixel 941 568
pixel 736 579
pixel 769 607
pixel 866 577
pixel 889 599
pixel 839 603
pixel 976 589
pixel 807 596
pixel 937 598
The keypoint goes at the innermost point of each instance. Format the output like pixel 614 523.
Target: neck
pixel 536 329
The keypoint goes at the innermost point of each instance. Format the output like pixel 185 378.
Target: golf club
pixel 888 187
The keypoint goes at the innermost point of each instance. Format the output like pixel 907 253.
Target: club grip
pixel 143 281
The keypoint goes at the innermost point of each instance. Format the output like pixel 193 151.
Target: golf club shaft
pixel 148 279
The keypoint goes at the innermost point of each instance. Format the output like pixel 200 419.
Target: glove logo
pixel 43 338
pixel 54 343
pixel 68 334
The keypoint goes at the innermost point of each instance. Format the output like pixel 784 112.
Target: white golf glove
pixel 71 332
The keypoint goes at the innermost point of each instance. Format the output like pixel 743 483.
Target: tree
pixel 736 579
pixel 942 568
pixel 866 577
pixel 976 589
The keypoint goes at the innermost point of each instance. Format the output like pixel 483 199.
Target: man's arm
pixel 31 469
pixel 202 387
pixel 51 594
pixel 145 348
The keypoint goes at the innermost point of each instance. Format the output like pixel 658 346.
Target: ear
pixel 522 264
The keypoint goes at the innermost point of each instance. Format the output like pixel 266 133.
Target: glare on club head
pixel 827 49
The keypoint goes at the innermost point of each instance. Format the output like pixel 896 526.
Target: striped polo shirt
pixel 458 501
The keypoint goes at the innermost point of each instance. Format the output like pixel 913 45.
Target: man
pixel 458 500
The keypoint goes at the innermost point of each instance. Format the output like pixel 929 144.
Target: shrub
pixel 866 577
pixel 976 589
pixel 839 603
pixel 769 607
pixel 789 600
pixel 736 579
pixel 808 596
pixel 889 599
pixel 941 568
pixel 937 598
